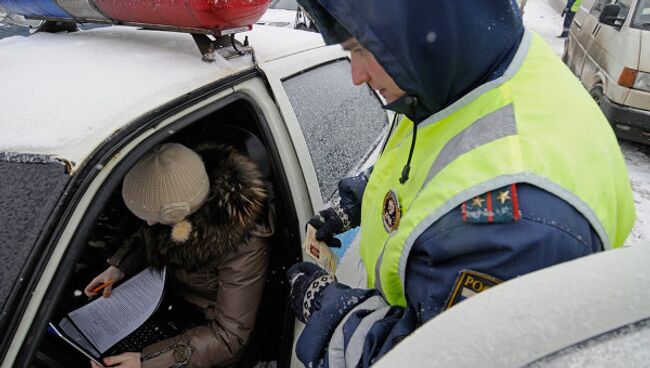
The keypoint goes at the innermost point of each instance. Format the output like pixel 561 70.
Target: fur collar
pixel 236 203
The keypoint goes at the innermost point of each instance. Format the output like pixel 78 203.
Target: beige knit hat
pixel 166 185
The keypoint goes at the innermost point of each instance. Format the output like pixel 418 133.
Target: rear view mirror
pixel 609 15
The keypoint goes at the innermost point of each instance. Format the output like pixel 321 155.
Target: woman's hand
pixel 124 360
pixel 112 273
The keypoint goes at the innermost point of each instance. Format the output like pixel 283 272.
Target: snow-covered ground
pixel 543 17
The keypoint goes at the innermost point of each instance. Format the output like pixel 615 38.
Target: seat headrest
pixel 246 143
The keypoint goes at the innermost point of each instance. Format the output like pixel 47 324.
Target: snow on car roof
pixel 63 94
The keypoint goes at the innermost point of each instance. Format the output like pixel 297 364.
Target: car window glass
pixel 624 347
pixel 30 186
pixel 642 15
pixel 626 5
pixel 598 7
pixel 341 122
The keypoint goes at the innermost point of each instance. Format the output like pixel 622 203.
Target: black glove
pixel 328 223
pixel 345 214
pixel 564 11
pixel 307 281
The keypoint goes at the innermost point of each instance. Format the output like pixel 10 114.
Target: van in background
pixel 608 49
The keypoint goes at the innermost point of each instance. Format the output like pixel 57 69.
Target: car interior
pixel 240 125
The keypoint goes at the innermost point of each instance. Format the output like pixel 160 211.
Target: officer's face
pixel 366 69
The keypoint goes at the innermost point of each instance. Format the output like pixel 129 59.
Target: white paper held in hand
pixel 105 321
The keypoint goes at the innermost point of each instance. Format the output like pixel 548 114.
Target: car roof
pixel 534 315
pixel 63 94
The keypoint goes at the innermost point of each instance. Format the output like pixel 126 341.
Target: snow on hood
pixel 437 50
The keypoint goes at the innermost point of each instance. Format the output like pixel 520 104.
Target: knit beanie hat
pixel 166 185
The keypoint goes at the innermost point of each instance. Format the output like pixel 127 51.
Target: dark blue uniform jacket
pixel 550 231
pixel 438 51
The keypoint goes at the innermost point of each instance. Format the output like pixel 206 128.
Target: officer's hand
pixel 345 213
pixel 307 281
pixel 327 224
pixel 564 11
pixel 351 193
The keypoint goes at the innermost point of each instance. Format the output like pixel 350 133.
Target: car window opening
pixel 238 125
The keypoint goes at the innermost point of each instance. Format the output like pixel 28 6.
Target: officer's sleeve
pixel 470 249
pixel 352 327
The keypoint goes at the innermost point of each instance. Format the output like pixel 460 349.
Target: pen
pixel 102 286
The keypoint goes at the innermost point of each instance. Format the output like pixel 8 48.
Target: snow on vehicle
pixel 590 312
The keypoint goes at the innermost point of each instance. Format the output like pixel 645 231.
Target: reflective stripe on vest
pixel 506 131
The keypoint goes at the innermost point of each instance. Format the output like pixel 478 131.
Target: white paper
pixel 106 321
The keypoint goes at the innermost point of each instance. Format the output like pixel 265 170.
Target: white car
pixel 590 312
pixel 78 109
pixel 288 14
pixel 281 13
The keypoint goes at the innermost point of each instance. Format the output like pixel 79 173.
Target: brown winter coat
pixel 220 265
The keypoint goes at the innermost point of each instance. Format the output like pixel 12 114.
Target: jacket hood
pixel 436 50
pixel 235 210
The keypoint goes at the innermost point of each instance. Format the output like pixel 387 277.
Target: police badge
pixel 392 212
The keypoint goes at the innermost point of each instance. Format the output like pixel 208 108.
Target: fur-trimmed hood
pixel 236 205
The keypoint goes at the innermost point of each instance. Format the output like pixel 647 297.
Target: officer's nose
pixel 359 71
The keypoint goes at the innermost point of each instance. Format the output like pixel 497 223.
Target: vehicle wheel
pixel 597 94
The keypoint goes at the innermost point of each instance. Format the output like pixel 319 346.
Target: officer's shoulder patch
pixel 468 284
pixel 496 206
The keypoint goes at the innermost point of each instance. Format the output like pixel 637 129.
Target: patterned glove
pixel 345 213
pixel 307 281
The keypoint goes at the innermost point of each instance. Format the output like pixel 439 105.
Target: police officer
pixel 569 13
pixel 502 165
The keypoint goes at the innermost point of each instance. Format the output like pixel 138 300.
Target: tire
pixel 597 94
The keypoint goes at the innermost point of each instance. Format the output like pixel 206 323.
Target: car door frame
pixel 90 188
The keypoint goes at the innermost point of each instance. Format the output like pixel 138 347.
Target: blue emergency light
pixel 36 9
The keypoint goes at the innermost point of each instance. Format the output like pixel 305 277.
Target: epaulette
pixel 496 206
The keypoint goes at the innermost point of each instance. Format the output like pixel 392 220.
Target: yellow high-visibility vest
pixel 535 124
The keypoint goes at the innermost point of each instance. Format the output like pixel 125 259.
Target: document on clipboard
pixel 95 327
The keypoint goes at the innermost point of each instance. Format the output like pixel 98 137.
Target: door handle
pixel 596 29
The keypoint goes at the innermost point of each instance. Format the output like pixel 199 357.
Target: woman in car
pixel 209 224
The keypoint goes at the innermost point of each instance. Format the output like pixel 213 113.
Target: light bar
pixel 42 9
pixel 207 16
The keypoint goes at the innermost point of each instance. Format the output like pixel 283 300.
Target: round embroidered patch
pixel 392 212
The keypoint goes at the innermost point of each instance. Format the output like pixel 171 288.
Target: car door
pixel 579 38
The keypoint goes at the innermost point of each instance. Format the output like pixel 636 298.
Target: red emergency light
pixel 197 16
